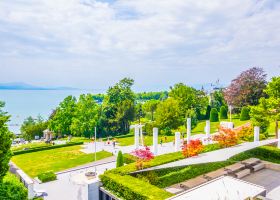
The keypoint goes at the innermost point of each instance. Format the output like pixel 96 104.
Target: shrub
pixel 192 148
pixel 35 149
pixel 226 137
pixel 223 113
pixel 120 161
pixel 128 158
pixel 47 176
pixel 143 155
pixel 130 188
pixel 208 110
pixel 214 115
pixel 245 114
pixel 245 133
pixel 12 189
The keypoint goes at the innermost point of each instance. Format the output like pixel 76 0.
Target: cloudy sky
pixel 94 43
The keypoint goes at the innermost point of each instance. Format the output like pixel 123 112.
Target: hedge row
pixel 128 158
pixel 47 176
pixel 131 188
pixel 35 149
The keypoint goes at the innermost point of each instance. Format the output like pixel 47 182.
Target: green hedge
pixel 128 158
pixel 245 114
pixel 214 115
pixel 223 113
pixel 47 176
pixel 130 188
pixel 35 149
pixel 12 189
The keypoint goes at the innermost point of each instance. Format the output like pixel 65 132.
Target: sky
pixel 91 44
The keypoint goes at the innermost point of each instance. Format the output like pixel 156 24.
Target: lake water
pixel 23 103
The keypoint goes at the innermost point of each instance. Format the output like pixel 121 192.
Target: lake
pixel 23 103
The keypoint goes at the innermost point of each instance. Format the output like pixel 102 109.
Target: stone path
pixel 214 156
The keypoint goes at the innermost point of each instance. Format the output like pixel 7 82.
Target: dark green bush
pixel 12 189
pixel 214 115
pixel 128 158
pixel 245 114
pixel 120 159
pixel 35 149
pixel 47 176
pixel 223 113
pixel 208 110
pixel 131 188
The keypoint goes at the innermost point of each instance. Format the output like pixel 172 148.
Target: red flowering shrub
pixel 143 155
pixel 226 137
pixel 192 148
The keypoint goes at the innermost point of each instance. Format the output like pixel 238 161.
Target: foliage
pixel 150 107
pixel 47 147
pixel 61 120
pixel 217 99
pixel 47 176
pixel 168 114
pixel 120 160
pixel 214 115
pixel 32 127
pixel 226 137
pixel 146 96
pixel 85 116
pixel 273 88
pixel 118 108
pixel 55 159
pixel 191 113
pixel 5 142
pixel 245 133
pixel 130 188
pixel 223 113
pixel 208 110
pixel 192 148
pixel 247 88
pixel 143 155
pixel 245 114
pixel 12 189
pixel 128 158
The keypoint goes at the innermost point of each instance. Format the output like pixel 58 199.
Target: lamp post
pixel 95 148
pixel 230 110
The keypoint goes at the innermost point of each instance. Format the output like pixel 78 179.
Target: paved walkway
pixel 214 156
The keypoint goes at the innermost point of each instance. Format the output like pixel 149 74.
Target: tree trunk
pixel 276 129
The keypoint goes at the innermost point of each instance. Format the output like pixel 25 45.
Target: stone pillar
pixel 136 137
pixel 207 128
pixel 177 141
pixel 30 190
pixel 141 135
pixel 230 125
pixel 256 134
pixel 155 141
pixel 189 128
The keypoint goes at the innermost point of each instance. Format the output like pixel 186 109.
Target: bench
pixel 235 167
pixel 258 167
pixel 215 174
pixel 243 173
pixel 193 182
pixel 251 161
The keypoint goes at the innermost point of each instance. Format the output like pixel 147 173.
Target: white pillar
pixel 30 189
pixel 278 143
pixel 155 141
pixel 230 125
pixel 177 141
pixel 136 137
pixel 141 135
pixel 256 134
pixel 189 128
pixel 207 128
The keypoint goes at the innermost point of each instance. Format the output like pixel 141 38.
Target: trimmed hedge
pixel 128 158
pixel 131 188
pixel 120 160
pixel 47 176
pixel 245 114
pixel 223 113
pixel 214 115
pixel 35 149
pixel 12 189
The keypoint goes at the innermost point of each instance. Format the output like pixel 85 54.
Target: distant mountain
pixel 24 86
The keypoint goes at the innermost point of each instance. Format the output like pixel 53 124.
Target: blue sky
pixel 94 43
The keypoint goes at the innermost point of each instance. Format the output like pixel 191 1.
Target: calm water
pixel 23 103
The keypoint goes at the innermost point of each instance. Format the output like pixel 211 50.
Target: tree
pixel 223 112
pixel 247 88
pixel 5 142
pixel 64 113
pixel 214 115
pixel 120 161
pixel 85 116
pixel 168 114
pixel 32 127
pixel 118 108
pixel 245 114
pixel 217 99
pixel 150 107
pixel 208 110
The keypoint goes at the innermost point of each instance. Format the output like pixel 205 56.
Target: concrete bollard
pixel 177 141
pixel 155 141
pixel 256 134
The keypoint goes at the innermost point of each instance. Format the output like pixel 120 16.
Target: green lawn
pixel 55 160
pixel 29 145
pixel 148 140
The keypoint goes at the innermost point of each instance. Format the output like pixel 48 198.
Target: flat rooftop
pixel 222 188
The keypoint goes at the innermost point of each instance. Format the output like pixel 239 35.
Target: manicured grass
pixel 77 139
pixel 55 160
pixel 148 140
pixel 215 125
pixel 29 145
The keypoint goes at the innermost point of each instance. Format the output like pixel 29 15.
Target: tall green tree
pixel 62 118
pixel 5 142
pixel 150 107
pixel 85 116
pixel 32 127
